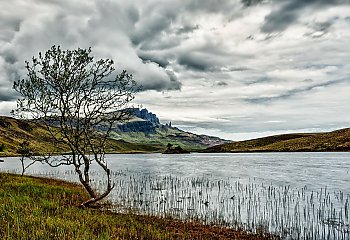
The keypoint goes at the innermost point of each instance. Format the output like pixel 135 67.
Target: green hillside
pixel 306 142
pixel 14 131
pixel 162 136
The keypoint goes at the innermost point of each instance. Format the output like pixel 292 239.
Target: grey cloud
pixel 196 62
pixel 319 29
pixel 256 80
pixel 222 6
pixel 160 43
pixel 104 25
pixel 7 96
pixel 172 76
pixel 289 11
pixel 9 25
pixel 238 69
pixel 249 3
pixel 153 20
pixel 149 57
pixel 7 75
pixel 293 92
pixel 208 57
pixel 159 82
pixel 9 57
pixel 187 29
pixel 158 18
pixel 221 83
pixel 322 26
pixel 145 33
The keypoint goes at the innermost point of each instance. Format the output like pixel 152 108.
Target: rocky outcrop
pixel 175 150
pixel 145 115
pixel 146 122
pixel 138 126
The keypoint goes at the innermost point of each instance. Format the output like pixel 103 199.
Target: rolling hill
pixel 338 140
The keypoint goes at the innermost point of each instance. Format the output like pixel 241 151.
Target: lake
pixel 296 195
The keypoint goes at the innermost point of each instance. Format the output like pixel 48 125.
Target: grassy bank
pixel 39 208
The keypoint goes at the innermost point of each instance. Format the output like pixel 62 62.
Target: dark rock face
pixel 138 126
pixel 145 115
pixel 148 126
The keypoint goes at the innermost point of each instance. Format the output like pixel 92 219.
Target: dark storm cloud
pixel 289 11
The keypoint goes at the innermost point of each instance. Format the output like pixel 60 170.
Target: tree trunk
pixel 85 180
pixel 96 198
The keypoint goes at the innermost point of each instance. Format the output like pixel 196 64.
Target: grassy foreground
pixel 40 208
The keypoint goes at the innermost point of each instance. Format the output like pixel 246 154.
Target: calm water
pixel 297 195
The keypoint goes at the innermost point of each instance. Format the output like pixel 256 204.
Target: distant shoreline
pixel 199 152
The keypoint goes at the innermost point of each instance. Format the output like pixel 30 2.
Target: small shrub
pixel 25 126
pixel 4 123
pixel 2 147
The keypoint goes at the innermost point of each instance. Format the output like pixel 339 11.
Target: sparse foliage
pixel 25 152
pixel 67 89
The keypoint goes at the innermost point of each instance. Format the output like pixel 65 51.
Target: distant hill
pixel 305 142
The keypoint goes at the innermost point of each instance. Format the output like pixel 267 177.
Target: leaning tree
pixel 79 102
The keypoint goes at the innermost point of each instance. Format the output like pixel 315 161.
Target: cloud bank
pixel 238 68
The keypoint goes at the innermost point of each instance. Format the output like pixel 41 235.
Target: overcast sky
pixel 236 69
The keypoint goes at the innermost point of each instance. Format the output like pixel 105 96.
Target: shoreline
pixel 199 152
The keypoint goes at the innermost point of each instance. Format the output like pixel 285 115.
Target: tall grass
pixel 289 213
pixel 36 208
pixel 255 207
